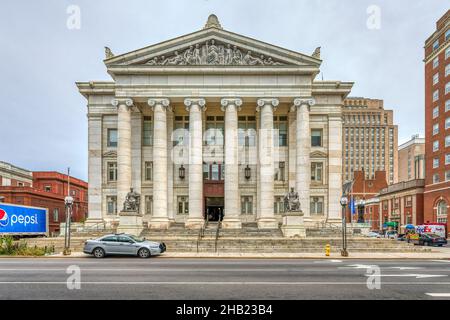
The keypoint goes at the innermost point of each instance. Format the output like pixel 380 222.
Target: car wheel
pixel 426 244
pixel 144 253
pixel 98 253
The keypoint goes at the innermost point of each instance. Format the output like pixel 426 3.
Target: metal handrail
pixel 219 223
pixel 201 233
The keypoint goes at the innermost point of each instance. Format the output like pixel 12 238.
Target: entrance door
pixel 214 208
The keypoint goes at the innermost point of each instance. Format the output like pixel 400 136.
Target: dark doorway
pixel 214 208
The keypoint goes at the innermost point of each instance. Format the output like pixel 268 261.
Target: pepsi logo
pixel 4 219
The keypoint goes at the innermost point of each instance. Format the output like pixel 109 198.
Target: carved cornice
pixel 110 154
pixel 191 102
pixel 267 101
pixel 122 101
pixel 225 102
pixel 163 102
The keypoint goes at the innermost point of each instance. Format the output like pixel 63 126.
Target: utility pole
pixel 68 201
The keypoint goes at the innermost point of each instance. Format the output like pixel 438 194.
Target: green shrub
pixel 20 248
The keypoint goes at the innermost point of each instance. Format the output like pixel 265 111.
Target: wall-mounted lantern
pixel 182 172
pixel 248 172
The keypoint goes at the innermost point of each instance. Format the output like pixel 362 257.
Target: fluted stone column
pixel 195 108
pixel 232 220
pixel 123 149
pixel 170 209
pixel 303 162
pixel 160 217
pixel 334 166
pixel 266 219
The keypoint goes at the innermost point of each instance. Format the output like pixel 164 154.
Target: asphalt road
pixel 227 279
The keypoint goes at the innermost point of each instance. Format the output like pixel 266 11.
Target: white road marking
pixel 328 261
pixel 439 295
pixel 218 283
pixel 359 266
pixel 417 276
pixel 406 268
pixel 445 261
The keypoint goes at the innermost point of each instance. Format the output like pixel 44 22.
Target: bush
pixel 10 247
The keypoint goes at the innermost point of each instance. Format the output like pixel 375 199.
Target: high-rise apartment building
pixel 369 139
pixel 437 122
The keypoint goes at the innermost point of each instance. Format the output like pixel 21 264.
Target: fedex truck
pixel 16 220
pixel 436 228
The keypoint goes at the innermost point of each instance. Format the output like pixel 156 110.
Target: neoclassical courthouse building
pixel 214 124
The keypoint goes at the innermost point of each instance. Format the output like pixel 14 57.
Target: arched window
pixel 442 211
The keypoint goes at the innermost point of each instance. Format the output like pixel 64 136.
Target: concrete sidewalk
pixel 437 253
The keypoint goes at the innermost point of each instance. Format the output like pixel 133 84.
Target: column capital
pixel 267 101
pixel 153 102
pixel 189 102
pixel 225 102
pixel 116 102
pixel 308 101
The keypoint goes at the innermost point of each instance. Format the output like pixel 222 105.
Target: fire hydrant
pixel 327 250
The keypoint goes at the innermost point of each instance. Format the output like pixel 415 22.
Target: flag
pixel 352 206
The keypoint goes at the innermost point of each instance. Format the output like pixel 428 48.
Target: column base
pixel 232 223
pixel 194 223
pixel 159 223
pixel 130 223
pixel 267 223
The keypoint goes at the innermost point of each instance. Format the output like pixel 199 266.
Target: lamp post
pixel 68 202
pixel 344 202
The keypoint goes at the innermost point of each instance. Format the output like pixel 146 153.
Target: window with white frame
pixel 111 205
pixel 147 131
pixel 112 171
pixel 316 172
pixel 447 175
pixel 435 44
pixel 435 62
pixel 447 141
pixel 316 206
pixel 447 53
pixel 278 206
pixel 112 138
pixel 148 170
pixel 435 112
pixel 441 209
pixel 447 88
pixel 149 205
pixel 435 163
pixel 280 172
pixel 447 105
pixel 447 70
pixel 55 215
pixel 447 123
pixel 435 79
pixel 247 131
pixel 447 158
pixel 280 124
pixel 246 205
pixel 183 205
pixel 447 34
pixel 436 95
pixel 436 178
pixel 435 129
pixel 435 145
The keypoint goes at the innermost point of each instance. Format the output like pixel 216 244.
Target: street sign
pixel 22 220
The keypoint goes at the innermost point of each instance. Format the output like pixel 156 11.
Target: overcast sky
pixel 43 117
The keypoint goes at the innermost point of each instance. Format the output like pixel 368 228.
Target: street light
pixel 68 202
pixel 344 202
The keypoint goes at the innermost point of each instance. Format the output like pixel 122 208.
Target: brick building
pixel 411 159
pixel 363 191
pixel 47 190
pixel 437 123
pixel 370 139
pixel 11 175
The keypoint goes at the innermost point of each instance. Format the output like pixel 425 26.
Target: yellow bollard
pixel 327 250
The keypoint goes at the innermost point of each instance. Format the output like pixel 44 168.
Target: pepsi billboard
pixel 16 219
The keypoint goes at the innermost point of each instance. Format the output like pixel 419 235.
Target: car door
pixel 126 245
pixel 110 245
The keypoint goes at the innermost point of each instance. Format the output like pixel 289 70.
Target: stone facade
pixel 411 159
pixel 214 136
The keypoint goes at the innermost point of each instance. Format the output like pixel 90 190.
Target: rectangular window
pixel 447 175
pixel 447 34
pixel 215 172
pixel 447 88
pixel 447 123
pixel 435 146
pixel 447 158
pixel 281 131
pixel 316 137
pixel 111 203
pixel 385 205
pixel 435 78
pixel 48 188
pixel 436 178
pixel 112 171
pixel 447 70
pixel 280 172
pixel 316 206
pixel 316 172
pixel 435 62
pixel 408 201
pixel 246 205
pixel 435 129
pixel 435 95
pixel 435 163
pixel 183 205
pixel 55 215
pixel 435 45
pixel 112 138
pixel 447 105
pixel 435 112
pixel 148 205
pixel 214 134
pixel 206 171
pixel 447 141
pixel 147 131
pixel 247 131
pixel 278 207
pixel 148 170
pixel 447 53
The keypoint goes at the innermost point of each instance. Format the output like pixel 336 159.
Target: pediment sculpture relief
pixel 212 53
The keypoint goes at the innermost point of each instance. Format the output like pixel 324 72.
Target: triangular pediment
pixel 212 47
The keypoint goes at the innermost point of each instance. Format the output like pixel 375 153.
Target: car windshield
pixel 137 239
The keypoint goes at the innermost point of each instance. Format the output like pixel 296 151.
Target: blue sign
pixel 16 219
pixel 352 206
